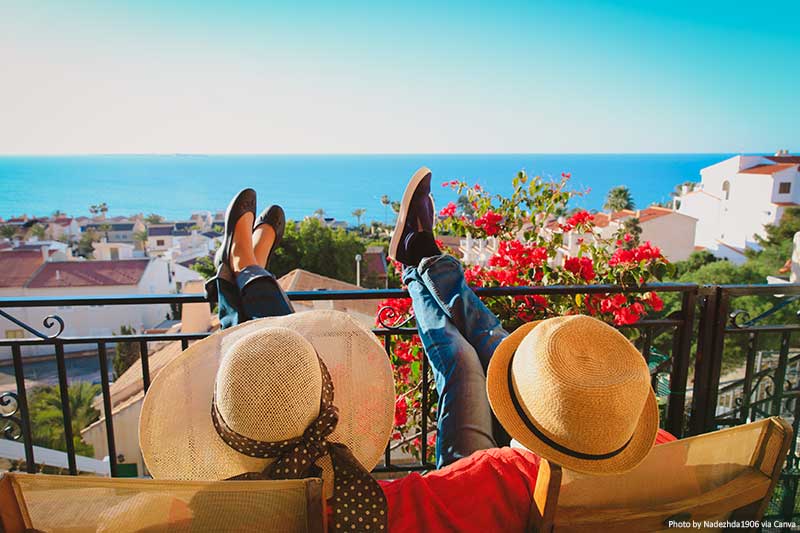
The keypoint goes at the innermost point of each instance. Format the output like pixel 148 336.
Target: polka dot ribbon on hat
pixel 358 501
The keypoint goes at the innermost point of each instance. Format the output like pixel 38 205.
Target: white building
pixel 737 197
pixel 28 274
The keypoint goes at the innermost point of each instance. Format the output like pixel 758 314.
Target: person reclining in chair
pixel 569 389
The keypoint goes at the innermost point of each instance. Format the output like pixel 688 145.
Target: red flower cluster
pixel 581 218
pixel 405 350
pixel 489 222
pixel 580 266
pixel 448 211
pixel 645 252
pixel 531 308
pixel 654 301
pixel 623 314
pixel 451 183
pixel 400 411
pixel 514 253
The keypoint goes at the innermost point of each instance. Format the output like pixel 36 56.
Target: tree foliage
pixel 8 231
pixel 47 422
pixel 125 353
pixel 313 246
pixel 619 198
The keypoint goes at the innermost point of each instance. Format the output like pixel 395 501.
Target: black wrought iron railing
pixel 690 342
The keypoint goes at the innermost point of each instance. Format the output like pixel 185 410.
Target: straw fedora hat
pixel 265 379
pixel 575 391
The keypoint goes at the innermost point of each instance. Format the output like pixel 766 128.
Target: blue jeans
pixel 459 334
pixel 254 293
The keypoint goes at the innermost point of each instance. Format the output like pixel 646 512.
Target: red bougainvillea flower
pixel 400 411
pixel 477 187
pixel 654 300
pixel 580 266
pixel 489 222
pixel 646 252
pixel 518 255
pixel 580 218
pixel 448 211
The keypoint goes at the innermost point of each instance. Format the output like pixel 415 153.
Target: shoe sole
pixel 418 176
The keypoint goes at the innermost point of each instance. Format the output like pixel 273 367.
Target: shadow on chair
pixel 725 475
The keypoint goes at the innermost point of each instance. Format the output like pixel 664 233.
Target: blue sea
pixel 177 185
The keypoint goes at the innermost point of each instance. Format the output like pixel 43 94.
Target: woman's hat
pixel 575 391
pixel 230 400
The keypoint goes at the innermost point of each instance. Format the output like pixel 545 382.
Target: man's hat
pixel 279 397
pixel 575 391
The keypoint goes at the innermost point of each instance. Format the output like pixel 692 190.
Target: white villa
pixel 737 197
pixel 27 273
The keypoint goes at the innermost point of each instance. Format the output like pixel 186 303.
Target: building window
pixel 726 190
pixel 784 188
pixel 160 242
pixel 15 334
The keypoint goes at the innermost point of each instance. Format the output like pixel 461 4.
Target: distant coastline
pixel 175 185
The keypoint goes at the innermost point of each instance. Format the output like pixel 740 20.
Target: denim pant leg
pixel 443 277
pixel 256 294
pixel 464 417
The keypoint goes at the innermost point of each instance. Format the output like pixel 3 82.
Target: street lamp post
pixel 358 269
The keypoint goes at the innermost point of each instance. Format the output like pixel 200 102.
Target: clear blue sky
pixel 353 77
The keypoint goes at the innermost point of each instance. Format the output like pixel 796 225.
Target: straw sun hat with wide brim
pixel 272 393
pixel 575 391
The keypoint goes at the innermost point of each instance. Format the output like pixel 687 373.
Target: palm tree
pixel 103 207
pixel 59 213
pixel 47 422
pixel 140 238
pixel 619 198
pixel 37 230
pixel 8 231
pixel 396 207
pixel 358 213
pixel 386 202
pixel 152 218
pixel 94 210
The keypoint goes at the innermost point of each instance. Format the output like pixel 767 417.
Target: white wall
pixel 673 233
pixel 748 208
pixel 706 209
pixel 90 320
pixel 792 177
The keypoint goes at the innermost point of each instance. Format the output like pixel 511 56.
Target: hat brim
pixel 176 433
pixel 503 407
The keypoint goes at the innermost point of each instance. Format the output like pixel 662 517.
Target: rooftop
pixel 89 273
pixel 16 267
pixel 768 169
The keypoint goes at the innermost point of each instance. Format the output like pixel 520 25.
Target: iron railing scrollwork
pixel 9 419
pixel 48 322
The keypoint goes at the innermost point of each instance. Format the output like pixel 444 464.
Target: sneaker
pixel 414 221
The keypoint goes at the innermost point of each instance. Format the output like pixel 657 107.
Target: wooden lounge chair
pixel 725 475
pixel 37 502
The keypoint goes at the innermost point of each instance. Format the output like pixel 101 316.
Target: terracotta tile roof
pixel 303 280
pixel 654 212
pixel 784 158
pixel 62 221
pixel 767 169
pixel 89 273
pixel 17 267
pixel 787 204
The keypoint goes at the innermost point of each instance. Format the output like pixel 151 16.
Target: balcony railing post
pixel 107 409
pixel 22 405
pixel 681 359
pixel 65 408
pixel 701 394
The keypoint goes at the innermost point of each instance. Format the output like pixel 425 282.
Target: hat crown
pixel 269 384
pixel 582 382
